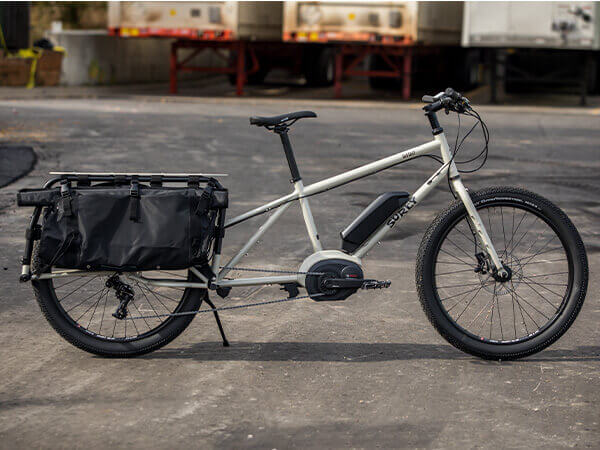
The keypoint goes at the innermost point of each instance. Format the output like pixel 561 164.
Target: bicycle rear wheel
pixel 81 310
pixel 480 313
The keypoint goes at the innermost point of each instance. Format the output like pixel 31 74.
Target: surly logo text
pixel 397 216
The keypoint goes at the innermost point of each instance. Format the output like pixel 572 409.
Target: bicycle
pixel 501 273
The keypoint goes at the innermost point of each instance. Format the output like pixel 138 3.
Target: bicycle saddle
pixel 278 120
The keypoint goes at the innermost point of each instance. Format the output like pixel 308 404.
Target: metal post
pixel 339 68
pixel 584 78
pixel 173 69
pixel 493 77
pixel 241 68
pixel 407 75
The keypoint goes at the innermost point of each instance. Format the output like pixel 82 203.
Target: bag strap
pixel 156 180
pixel 83 180
pixel 65 198
pixel 59 252
pixel 120 179
pixel 134 202
pixel 205 201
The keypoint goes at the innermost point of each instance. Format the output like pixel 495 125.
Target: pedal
pixel 374 284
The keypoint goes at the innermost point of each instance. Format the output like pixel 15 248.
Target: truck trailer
pixel 324 41
pixel 536 44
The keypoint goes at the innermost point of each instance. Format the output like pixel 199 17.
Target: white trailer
pixel 435 23
pixel 536 45
pixel 197 20
pixel 553 25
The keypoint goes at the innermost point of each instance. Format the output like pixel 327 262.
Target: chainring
pixel 331 268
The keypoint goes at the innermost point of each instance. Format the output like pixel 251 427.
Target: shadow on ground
pixel 339 434
pixel 346 352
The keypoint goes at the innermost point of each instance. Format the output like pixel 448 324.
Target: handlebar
pixel 450 100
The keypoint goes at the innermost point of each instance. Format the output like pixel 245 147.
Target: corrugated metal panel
pixel 560 25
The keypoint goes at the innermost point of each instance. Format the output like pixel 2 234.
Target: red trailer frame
pixel 397 58
pixel 350 52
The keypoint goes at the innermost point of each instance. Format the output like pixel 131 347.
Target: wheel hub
pixel 503 275
pixel 503 285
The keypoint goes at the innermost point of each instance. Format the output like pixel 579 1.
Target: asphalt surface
pixel 15 162
pixel 369 372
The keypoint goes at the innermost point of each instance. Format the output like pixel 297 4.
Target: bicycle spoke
pixel 67 283
pixel 469 256
pixel 516 229
pixel 90 303
pixel 158 293
pixel 452 273
pixel 148 300
pixel 84 300
pixel 140 313
pixel 544 298
pixel 466 292
pixel 77 288
pixel 523 240
pixel 514 297
pixel 548 274
pixel 470 301
pixel 461 260
pixel 459 285
pixel 103 312
pixel 532 307
pixel 499 317
pixel 95 307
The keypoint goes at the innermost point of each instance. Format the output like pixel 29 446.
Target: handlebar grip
pixel 427 99
pixel 434 107
pixel 452 94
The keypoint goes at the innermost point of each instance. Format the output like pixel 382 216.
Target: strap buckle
pixel 134 190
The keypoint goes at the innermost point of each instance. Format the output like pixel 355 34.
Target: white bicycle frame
pixel 301 193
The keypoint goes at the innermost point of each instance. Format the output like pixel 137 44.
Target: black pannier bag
pixel 127 227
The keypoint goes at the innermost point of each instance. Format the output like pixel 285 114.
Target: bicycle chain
pixel 223 308
pixel 226 308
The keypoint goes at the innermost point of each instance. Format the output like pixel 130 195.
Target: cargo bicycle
pixel 122 262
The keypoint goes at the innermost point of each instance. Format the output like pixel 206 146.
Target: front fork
pixel 472 215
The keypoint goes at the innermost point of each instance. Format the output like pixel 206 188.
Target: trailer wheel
pixel 319 66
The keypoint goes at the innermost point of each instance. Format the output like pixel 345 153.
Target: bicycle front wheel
pixel 503 319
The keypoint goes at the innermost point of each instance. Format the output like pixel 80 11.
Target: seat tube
pixel 309 221
pixel 472 214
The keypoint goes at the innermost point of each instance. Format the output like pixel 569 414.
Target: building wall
pixel 93 57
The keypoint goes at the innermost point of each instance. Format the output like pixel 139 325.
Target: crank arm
pixel 349 283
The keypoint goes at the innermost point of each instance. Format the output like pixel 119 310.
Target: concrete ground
pixel 369 372
pixel 15 162
pixel 281 86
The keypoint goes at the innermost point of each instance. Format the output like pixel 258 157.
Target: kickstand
pixel 211 304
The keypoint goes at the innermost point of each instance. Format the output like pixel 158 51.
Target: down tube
pixel 416 198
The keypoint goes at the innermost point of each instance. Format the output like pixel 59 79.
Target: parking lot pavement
pixel 369 372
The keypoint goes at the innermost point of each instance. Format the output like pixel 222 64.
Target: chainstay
pixel 291 272
pixel 223 308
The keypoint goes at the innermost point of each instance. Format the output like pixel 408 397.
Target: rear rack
pixel 128 176
pixel 143 174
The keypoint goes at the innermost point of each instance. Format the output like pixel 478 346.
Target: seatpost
pixel 282 131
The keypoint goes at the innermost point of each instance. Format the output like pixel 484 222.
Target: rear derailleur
pixel 124 294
